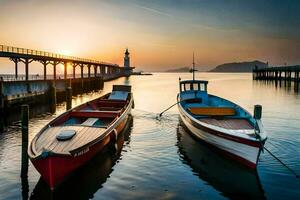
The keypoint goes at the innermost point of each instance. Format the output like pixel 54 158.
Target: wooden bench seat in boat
pixel 48 141
pixel 90 121
pixel 111 103
pixel 212 111
pixel 117 104
pixel 95 114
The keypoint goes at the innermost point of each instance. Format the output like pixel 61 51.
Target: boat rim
pixel 216 128
pixel 34 155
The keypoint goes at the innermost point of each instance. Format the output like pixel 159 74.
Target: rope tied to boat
pixel 160 114
pixel 281 162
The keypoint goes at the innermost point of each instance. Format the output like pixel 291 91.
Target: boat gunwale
pixel 31 150
pixel 112 126
pixel 251 141
pixel 35 155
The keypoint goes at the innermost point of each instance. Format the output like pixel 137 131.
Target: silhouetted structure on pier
pixel 286 74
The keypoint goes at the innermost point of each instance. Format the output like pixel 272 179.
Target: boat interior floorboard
pixel 234 124
pixel 84 134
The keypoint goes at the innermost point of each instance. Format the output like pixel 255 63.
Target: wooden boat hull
pixel 56 159
pixel 55 168
pixel 230 178
pixel 244 151
pixel 91 176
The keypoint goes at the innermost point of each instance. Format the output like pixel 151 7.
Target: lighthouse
pixel 126 59
pixel 128 69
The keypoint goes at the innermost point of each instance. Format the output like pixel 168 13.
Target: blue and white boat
pixel 220 122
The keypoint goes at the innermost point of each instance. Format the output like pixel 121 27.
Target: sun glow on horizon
pixel 65 52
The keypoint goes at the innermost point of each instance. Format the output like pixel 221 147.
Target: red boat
pixel 74 137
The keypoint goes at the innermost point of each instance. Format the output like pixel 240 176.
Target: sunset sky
pixel 160 34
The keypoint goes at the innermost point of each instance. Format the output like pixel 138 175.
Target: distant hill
pixel 181 69
pixel 239 66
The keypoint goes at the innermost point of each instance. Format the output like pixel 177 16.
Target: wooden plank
pixel 44 138
pixel 48 139
pixel 61 145
pixel 212 111
pixel 89 136
pixel 81 139
pixel 76 138
pixel 229 123
pixel 54 141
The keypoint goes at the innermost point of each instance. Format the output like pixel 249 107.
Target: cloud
pixel 152 10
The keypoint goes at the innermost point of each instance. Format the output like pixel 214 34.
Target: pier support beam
pixel 65 70
pixel 295 81
pixel 74 70
pixel 280 78
pixel 102 69
pixel 95 70
pixel 45 63
pixel 16 60
pixel 89 71
pixel 26 69
pixel 81 70
pixel 55 63
pixel 45 71
pixel 26 61
pixel 285 77
pixel 16 70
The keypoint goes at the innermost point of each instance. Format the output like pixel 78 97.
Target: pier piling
pixel 286 74
pixel 24 128
pixel 1 106
pixel 101 83
pixel 69 97
pixel 52 97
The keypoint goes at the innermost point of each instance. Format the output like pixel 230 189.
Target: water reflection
pixel 232 180
pixel 90 178
pixel 13 114
pixel 290 87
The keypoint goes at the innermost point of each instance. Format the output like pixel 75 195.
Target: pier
pixel 17 89
pixel 282 75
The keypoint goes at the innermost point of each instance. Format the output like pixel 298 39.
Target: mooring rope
pixel 281 162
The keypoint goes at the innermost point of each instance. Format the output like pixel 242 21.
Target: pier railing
pixel 24 51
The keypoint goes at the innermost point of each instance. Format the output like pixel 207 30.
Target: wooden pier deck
pixel 285 74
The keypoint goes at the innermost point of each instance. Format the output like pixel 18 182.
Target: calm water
pixel 159 160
